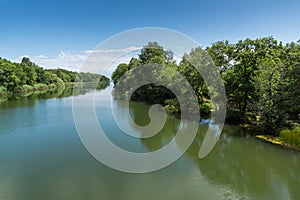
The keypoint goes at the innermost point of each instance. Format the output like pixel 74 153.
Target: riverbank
pixel 24 77
pixel 41 130
pixel 26 90
pixel 287 138
pixel 277 141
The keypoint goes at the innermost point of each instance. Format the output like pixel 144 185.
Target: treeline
pixel 27 76
pixel 262 80
pixel 154 55
pixel 261 77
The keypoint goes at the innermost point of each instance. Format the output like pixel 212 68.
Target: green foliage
pixel 193 76
pixel 86 77
pixel 291 87
pixel 27 76
pixel 121 70
pixel 65 75
pixel 267 82
pixel 261 77
pixel 26 61
pixel 151 54
pixel 103 82
pixel 40 86
pixel 172 105
pixel 205 109
pixel 291 136
pixel 3 91
pixel 27 88
pixel 154 55
pixel 52 86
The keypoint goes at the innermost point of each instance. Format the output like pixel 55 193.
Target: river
pixel 42 157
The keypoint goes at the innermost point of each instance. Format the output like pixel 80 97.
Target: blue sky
pixel 50 28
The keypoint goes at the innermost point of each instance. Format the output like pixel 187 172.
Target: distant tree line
pixel 27 76
pixel 261 78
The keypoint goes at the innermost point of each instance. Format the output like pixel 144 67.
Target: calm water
pixel 42 157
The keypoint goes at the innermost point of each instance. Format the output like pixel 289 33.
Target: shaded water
pixel 42 157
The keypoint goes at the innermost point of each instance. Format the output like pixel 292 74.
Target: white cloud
pixel 131 48
pixel 96 60
pixel 89 60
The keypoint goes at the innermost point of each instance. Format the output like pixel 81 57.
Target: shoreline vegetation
pixel 69 89
pixel 24 77
pixel 261 78
pixel 286 141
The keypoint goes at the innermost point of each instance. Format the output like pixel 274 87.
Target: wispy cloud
pixel 74 60
pixel 96 61
pixel 129 49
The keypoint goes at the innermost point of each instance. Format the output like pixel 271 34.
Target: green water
pixel 42 157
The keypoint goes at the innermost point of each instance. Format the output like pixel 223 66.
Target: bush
pixel 23 88
pixel 52 86
pixel 40 86
pixel 3 91
pixel 205 109
pixel 172 106
pixel 68 84
pixel 27 88
pixel 171 109
pixel 291 136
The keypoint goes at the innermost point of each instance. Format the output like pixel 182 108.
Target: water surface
pixel 42 157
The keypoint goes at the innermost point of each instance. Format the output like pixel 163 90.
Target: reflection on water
pixel 41 157
pixel 239 166
pixel 29 109
pixel 28 99
pixel 250 167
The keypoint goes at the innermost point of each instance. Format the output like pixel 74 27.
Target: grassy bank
pixel 287 138
pixel 291 136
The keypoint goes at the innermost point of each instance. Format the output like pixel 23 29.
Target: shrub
pixel 27 88
pixel 52 86
pixel 172 109
pixel 172 106
pixel 68 84
pixel 291 136
pixel 18 89
pixel 40 86
pixel 205 109
pixel 3 91
pixel 23 88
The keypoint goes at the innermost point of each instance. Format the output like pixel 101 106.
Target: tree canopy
pixel 24 76
pixel 261 77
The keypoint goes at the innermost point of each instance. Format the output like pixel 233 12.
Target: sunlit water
pixel 42 157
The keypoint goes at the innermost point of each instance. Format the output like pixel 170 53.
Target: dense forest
pixel 27 76
pixel 261 78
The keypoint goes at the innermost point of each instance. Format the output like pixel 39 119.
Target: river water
pixel 42 157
